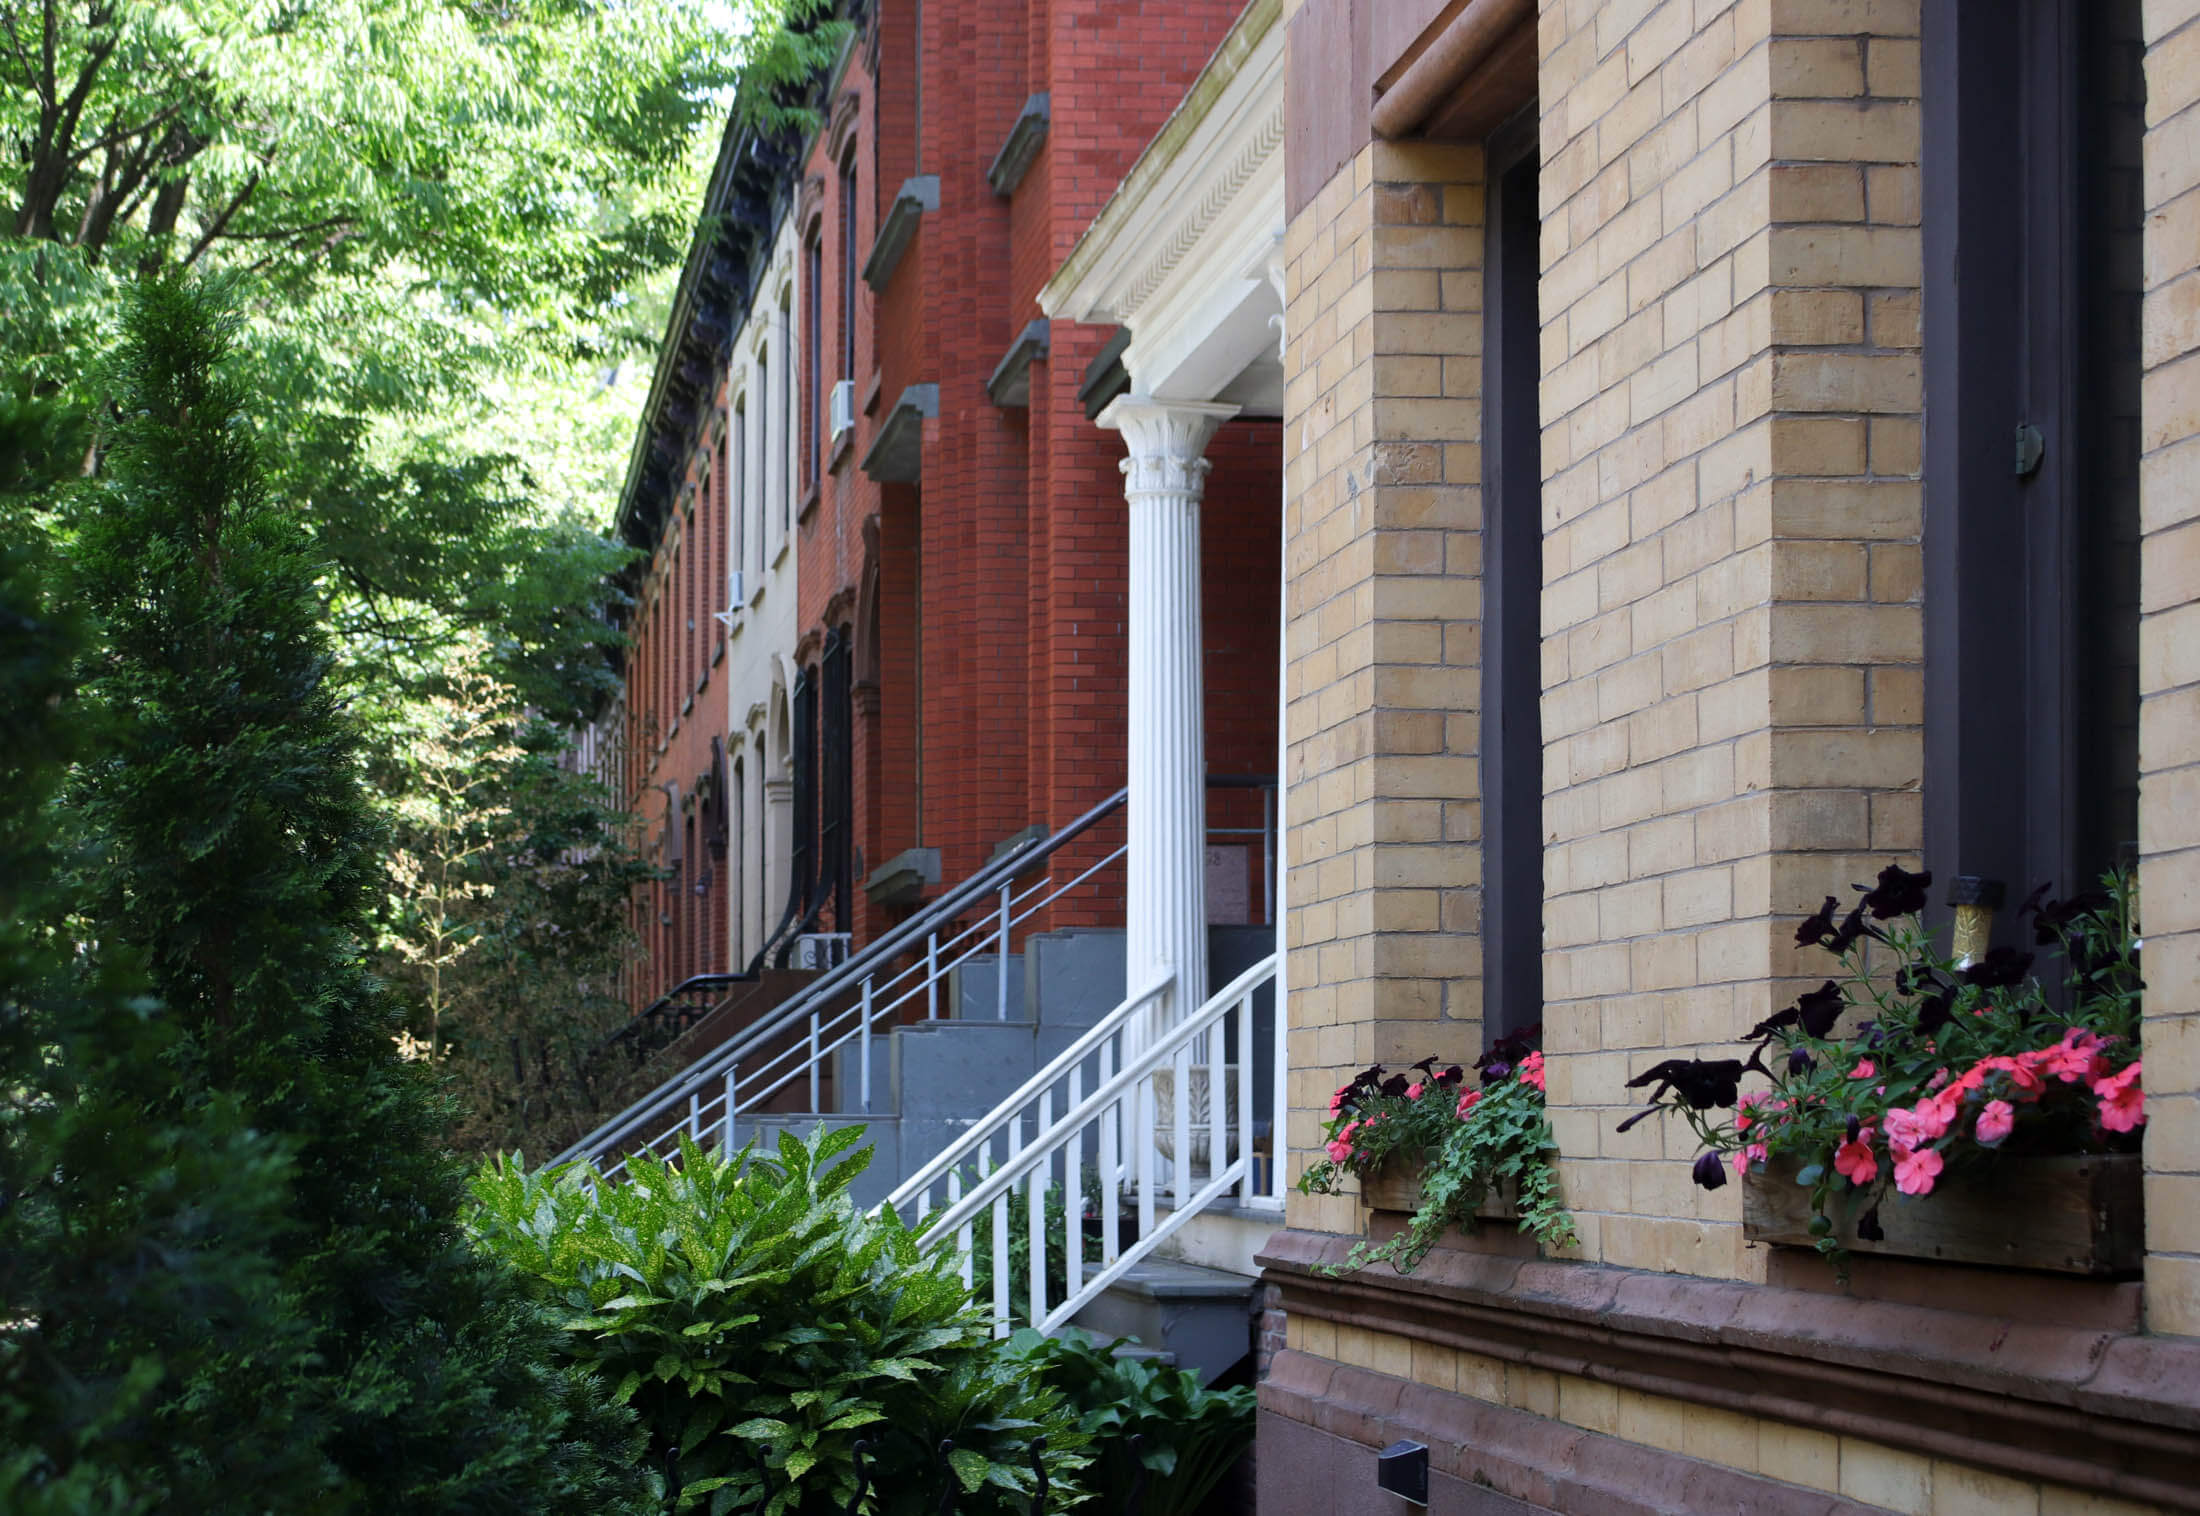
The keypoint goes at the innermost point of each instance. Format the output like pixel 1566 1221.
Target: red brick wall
pixel 1004 572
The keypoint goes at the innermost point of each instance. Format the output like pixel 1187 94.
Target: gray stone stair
pixel 1200 1317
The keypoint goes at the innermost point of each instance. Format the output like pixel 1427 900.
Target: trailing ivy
pixel 1467 1144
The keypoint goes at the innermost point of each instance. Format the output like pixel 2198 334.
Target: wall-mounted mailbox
pixel 1402 1469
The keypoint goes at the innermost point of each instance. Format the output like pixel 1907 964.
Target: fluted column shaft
pixel 1165 914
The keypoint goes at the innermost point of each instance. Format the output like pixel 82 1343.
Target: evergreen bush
pixel 235 1279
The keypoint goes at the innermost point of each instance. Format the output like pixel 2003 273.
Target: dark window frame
pixel 1511 760
pixel 850 264
pixel 2010 783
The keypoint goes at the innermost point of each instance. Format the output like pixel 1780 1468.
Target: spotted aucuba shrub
pixel 1951 1061
pixel 1467 1139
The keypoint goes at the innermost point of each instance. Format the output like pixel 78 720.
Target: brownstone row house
pixel 1710 449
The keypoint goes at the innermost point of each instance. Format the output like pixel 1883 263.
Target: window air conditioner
pixel 844 405
pixel 735 600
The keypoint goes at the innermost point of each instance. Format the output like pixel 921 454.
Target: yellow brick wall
pixel 1382 535
pixel 1731 404
pixel 1891 1479
pixel 2169 663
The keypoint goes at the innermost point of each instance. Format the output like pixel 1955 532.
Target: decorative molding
pixel 2092 1405
pixel 896 455
pixel 1025 139
pixel 1205 212
pixel 916 196
pixel 1167 444
pixel 1011 381
pixel 846 110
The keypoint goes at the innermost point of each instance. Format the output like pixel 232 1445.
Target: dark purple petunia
pixel 1396 1084
pixel 1819 1009
pixel 1934 1010
pixel 1709 1171
pixel 1800 1063
pixel 1851 928
pixel 2002 966
pixel 1702 1082
pixel 1868 1227
pixel 1495 1071
pixel 1898 893
pixel 1817 930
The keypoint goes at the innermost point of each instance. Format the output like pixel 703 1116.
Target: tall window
pixel 1512 588
pixel 714 574
pixel 813 354
pixel 786 407
pixel 737 473
pixel 848 265
pixel 2034 113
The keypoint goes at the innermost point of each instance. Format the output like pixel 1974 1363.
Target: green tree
pixel 507 925
pixel 451 216
pixel 235 858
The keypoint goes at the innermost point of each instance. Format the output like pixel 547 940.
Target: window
pixel 737 474
pixel 786 407
pixel 813 354
pixel 2033 118
pixel 848 265
pixel 1512 588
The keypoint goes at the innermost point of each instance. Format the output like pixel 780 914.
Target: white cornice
pixel 1213 173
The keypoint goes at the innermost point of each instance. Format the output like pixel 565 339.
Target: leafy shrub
pixel 1468 1142
pixel 763 1328
pixel 1187 1434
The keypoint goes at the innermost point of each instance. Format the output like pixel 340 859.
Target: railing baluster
pixel 866 1034
pixel 962 1237
pixel 1000 1249
pixel 813 1061
pixel 1035 1213
pixel 1142 1133
pixel 1244 1084
pixel 932 975
pixel 726 1144
pixel 1219 1092
pixel 1111 1162
pixel 1180 1167
pixel 1073 1192
pixel 1000 986
pixel 695 1116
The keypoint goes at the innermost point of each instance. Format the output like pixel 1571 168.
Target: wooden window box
pixel 1396 1187
pixel 2076 1215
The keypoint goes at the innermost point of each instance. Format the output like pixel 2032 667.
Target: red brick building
pixel 962 528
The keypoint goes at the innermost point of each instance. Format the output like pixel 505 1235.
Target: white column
pixel 1166 910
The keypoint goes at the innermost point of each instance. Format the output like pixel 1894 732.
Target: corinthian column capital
pixel 1166 441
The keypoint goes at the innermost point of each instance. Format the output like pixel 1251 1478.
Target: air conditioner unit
pixel 736 600
pixel 844 405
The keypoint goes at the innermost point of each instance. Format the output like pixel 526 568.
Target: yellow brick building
pixel 1739 314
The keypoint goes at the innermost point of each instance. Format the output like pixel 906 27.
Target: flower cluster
pixel 1468 1138
pixel 1954 1060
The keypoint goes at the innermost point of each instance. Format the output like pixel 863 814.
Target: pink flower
pixel 1994 1123
pixel 1940 1077
pixel 1744 1157
pixel 1915 1169
pixel 1743 1121
pixel 2075 1058
pixel 1339 1150
pixel 1413 1091
pixel 1907 1127
pixel 1855 1161
pixel 1531 1069
pixel 2123 1103
pixel 1467 1103
pixel 1336 1101
pixel 1864 1070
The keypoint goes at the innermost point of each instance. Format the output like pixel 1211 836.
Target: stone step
pixel 1202 1317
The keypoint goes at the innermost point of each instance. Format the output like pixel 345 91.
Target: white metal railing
pixel 1168 1120
pixel 791 1043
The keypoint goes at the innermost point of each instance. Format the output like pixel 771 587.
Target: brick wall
pixel 1733 638
pixel 1382 517
pixel 2169 720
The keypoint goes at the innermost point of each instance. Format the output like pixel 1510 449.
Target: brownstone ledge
pixel 2103 1409
pixel 1484 1460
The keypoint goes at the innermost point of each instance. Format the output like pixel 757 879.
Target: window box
pixel 1396 1186
pixel 2068 1215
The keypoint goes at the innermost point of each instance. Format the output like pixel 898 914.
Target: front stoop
pixel 1200 1317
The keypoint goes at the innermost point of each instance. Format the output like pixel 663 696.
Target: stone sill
pixel 917 196
pixel 1025 138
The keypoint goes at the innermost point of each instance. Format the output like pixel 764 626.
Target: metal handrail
pixel 690 1081
pixel 1030 1164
